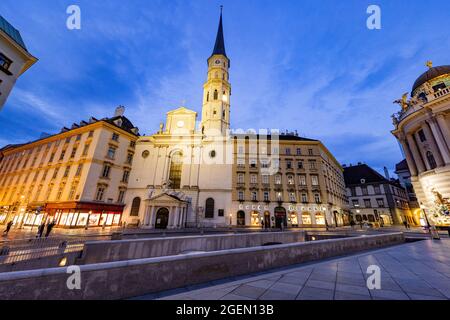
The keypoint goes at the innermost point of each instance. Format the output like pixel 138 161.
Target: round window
pixel 212 154
pixel 145 154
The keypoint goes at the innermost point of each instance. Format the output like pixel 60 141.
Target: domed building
pixel 423 129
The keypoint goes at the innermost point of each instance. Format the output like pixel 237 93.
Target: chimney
pixel 386 173
pixel 120 110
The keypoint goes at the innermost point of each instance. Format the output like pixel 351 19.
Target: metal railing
pixel 28 249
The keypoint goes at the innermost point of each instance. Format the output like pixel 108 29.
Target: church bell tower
pixel 217 90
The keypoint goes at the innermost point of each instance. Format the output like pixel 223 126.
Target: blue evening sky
pixel 310 66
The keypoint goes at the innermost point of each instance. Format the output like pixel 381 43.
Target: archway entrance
pixel 280 217
pixel 241 218
pixel 162 218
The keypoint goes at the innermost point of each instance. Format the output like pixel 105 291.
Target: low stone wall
pixel 108 251
pixel 125 279
pixel 40 263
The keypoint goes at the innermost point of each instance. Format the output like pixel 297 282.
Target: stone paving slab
pixel 412 271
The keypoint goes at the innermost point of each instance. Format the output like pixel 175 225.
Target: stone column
pixel 434 148
pixel 416 155
pixel 147 216
pixel 409 158
pixel 153 217
pixel 440 140
pixel 442 124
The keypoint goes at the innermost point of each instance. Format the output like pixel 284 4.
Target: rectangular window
pixel 68 139
pixel 78 137
pixel 72 192
pixel 364 191
pixel 121 196
pixel 55 173
pixel 79 169
pixel 240 178
pixel 288 151
pixel 100 193
pixel 5 62
pixel 314 180
pixel 115 137
pixel 421 135
pixel 74 152
pixel 367 203
pixel 377 189
pixel 106 171
pixel 290 180
pixel 265 179
pixel 126 175
pixel 129 158
pixel 253 178
pixel 317 198
pixel 288 164
pixel 241 162
pixel 299 151
pixel 302 180
pixel 241 196
pixel 86 150
pixel 292 197
pixel 312 164
pixel 304 198
pixel 355 203
pixel 277 179
pixel 91 134
pixel 300 165
pixel 266 196
pixel 111 153
pixel 254 196
pixel 66 172
pixel 241 150
pixel 252 163
pixel 380 203
pixel 310 152
pixel 61 157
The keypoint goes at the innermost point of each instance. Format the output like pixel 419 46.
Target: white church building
pixel 185 176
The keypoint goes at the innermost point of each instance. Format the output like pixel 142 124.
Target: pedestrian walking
pixel 405 224
pixel 8 227
pixel 40 230
pixel 49 228
pixel 352 224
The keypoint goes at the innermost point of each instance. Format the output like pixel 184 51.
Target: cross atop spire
pixel 219 47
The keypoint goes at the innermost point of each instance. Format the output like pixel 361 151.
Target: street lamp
pixel 433 233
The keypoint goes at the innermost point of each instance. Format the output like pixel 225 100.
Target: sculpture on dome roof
pixel 403 102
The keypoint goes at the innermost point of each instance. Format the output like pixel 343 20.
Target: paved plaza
pixel 412 271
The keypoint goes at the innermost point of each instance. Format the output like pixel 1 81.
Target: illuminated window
pixel 176 166
pixel 135 205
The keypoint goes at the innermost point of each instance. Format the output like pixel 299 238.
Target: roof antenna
pixel 221 9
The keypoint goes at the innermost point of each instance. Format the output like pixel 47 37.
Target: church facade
pixel 190 175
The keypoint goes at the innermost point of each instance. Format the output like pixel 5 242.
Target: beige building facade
pixel 423 129
pixel 77 178
pixel 286 181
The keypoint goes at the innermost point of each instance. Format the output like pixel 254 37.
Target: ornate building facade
pixel 14 58
pixel 201 174
pixel 376 199
pixel 423 129
pixel 77 178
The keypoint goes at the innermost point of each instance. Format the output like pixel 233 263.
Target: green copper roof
pixel 12 32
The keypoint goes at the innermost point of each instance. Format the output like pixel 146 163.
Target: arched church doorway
pixel 241 218
pixel 280 217
pixel 162 218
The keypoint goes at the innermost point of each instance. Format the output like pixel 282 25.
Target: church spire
pixel 219 47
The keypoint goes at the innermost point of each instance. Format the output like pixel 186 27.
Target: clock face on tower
pixel 180 124
pixel 217 62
